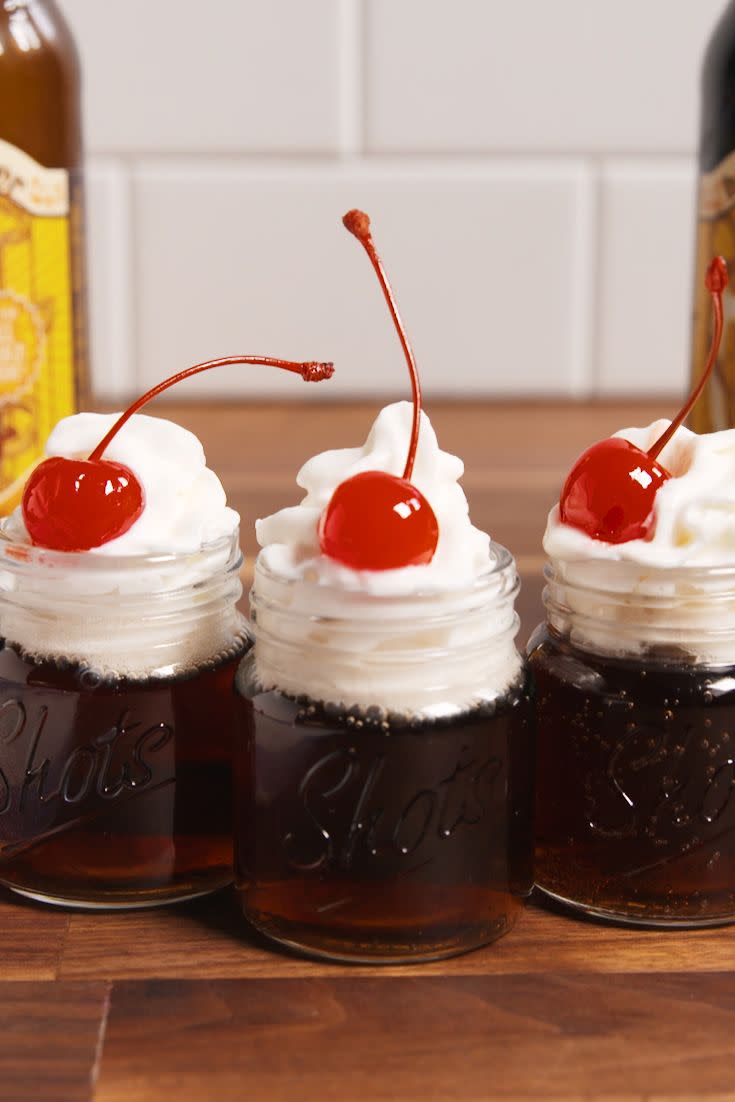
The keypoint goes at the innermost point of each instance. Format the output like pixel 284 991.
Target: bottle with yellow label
pixel 43 341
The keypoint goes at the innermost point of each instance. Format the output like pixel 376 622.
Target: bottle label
pixel 717 191
pixel 36 324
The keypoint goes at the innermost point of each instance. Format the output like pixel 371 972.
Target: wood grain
pixel 515 455
pixel 524 438
pixel 207 939
pixel 31 939
pixel 203 1011
pixel 49 1039
pixel 352 1039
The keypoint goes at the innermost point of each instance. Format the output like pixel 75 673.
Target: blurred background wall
pixel 529 166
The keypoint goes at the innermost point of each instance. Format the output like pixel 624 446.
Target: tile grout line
pixel 597 297
pixel 123 319
pixel 351 153
pixel 101 1035
pixel 132 259
pixel 583 321
pixel 350 77
pixel 326 157
pixel 129 253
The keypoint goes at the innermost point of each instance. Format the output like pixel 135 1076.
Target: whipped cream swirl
pixel 430 640
pixel 161 597
pixel 674 590
pixel 290 538
pixel 185 504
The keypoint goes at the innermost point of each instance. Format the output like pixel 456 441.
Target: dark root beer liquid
pixel 372 832
pixel 115 791
pixel 115 770
pixel 372 837
pixel 635 809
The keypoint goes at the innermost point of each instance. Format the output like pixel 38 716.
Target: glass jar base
pixel 629 918
pixel 379 951
pixel 118 901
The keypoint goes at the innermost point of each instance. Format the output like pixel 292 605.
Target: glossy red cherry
pixel 74 504
pixel 376 520
pixel 610 493
pixel 78 504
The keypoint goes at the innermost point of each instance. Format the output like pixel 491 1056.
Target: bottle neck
pixel 40 102
pixel 717 133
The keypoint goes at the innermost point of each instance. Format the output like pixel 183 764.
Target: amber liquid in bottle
pixel 716 225
pixel 43 324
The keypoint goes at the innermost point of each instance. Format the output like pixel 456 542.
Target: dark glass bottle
pixel 43 342
pixel 716 223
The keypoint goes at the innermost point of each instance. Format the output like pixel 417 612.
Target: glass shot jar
pixel 395 827
pixel 116 723
pixel 635 677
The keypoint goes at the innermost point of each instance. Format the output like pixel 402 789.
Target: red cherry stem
pixel 358 223
pixel 310 372
pixel 716 281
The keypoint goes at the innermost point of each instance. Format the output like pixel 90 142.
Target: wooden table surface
pixel 183 1003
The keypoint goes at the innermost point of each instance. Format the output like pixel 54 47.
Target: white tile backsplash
pixel 184 75
pixel 112 317
pixel 495 143
pixel 259 262
pixel 531 75
pixel 645 297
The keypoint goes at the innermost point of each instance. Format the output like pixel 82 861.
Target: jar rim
pixel 405 651
pixel 622 609
pixel 688 572
pixel 133 615
pixel 15 554
pixel 502 562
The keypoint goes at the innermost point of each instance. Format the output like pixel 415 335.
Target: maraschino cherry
pixel 78 504
pixel 376 520
pixel 611 491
